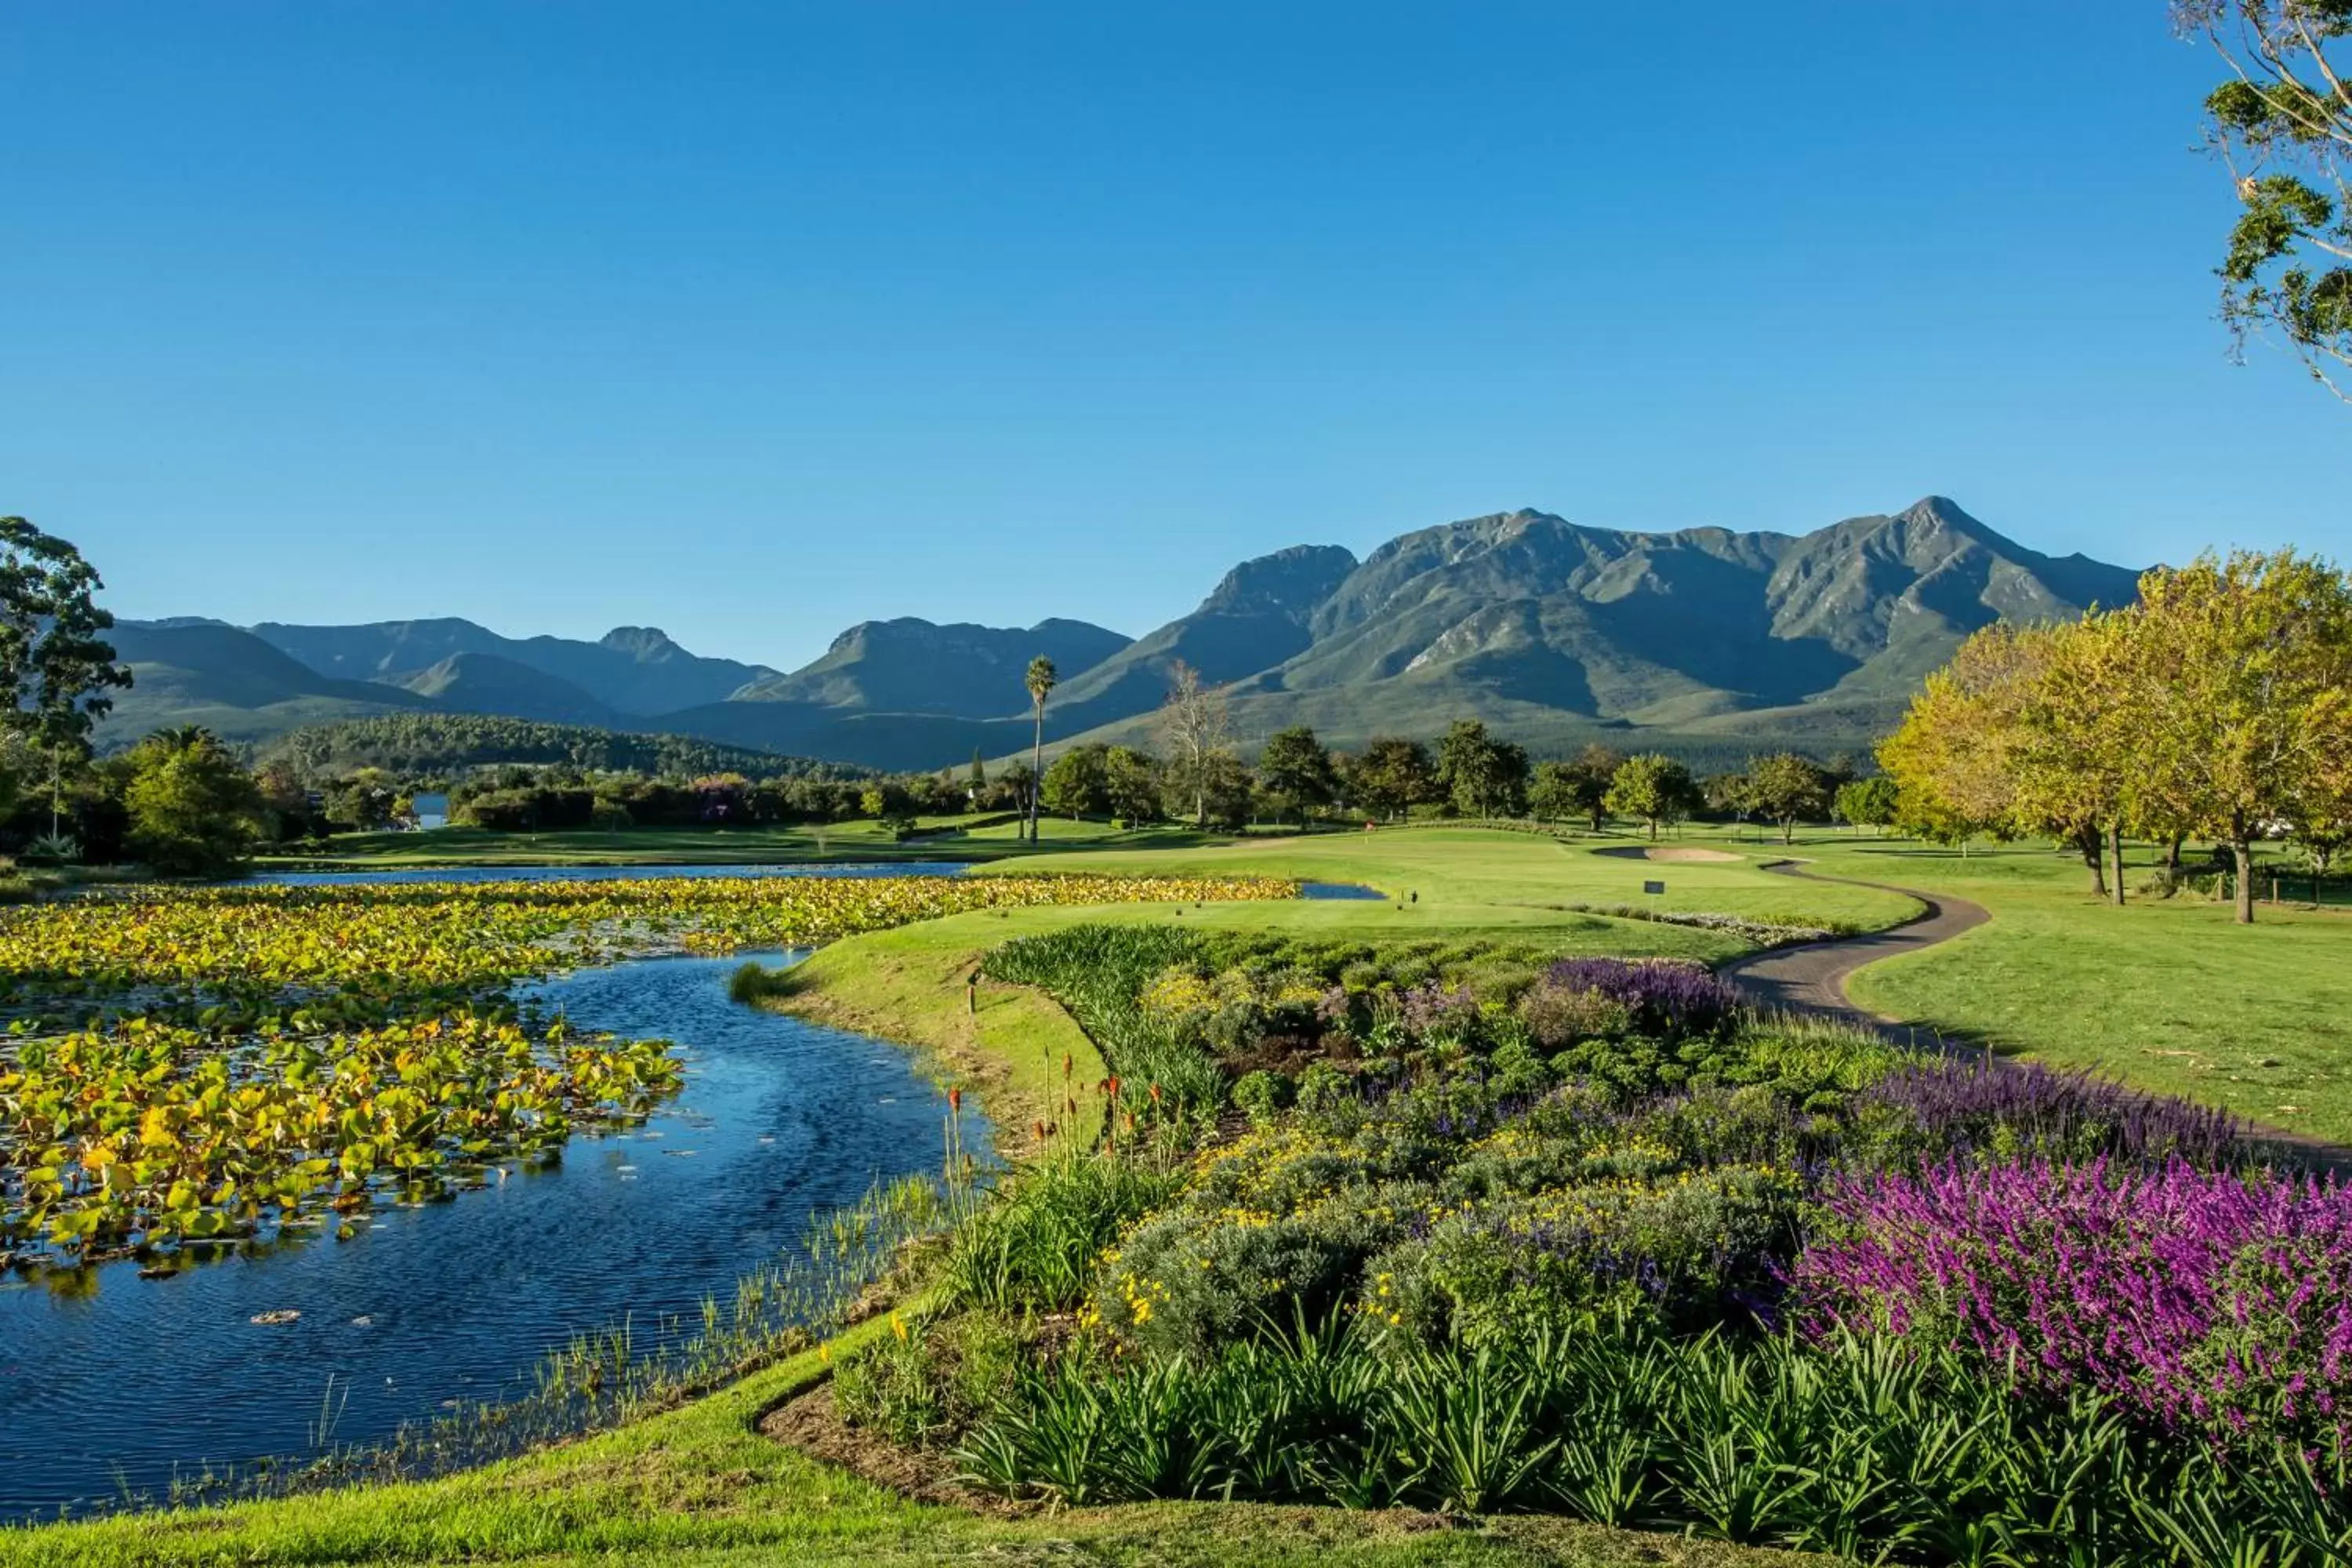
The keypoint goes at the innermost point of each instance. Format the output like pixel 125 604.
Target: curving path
pixel 1812 978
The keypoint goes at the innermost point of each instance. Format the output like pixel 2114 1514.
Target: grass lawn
pixel 1509 876
pixel 2168 993
pixel 942 839
pixel 700 1486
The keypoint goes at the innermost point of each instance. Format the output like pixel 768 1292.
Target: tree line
pixel 2219 706
pixel 427 744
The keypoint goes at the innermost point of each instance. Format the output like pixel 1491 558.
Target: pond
pixel 113 1383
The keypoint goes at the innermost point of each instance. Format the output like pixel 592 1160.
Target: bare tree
pixel 2282 123
pixel 1196 727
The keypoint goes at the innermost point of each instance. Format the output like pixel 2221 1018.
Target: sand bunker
pixel 1667 852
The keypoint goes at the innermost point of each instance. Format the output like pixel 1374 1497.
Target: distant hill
pixel 1704 641
pixel 191 671
pixel 910 665
pixel 629 669
pixel 486 683
pixel 1255 619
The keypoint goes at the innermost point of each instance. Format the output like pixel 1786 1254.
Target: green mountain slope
pixel 1254 620
pixel 630 669
pixel 200 672
pixel 486 683
pixel 916 667
pixel 1706 641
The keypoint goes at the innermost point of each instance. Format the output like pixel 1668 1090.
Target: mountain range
pixel 1705 640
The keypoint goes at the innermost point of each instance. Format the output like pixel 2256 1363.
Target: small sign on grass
pixel 1653 886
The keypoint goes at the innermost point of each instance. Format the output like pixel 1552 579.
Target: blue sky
pixel 752 321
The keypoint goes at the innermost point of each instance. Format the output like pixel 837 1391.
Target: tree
pixel 1788 787
pixel 1948 757
pixel 1656 788
pixel 2242 675
pixel 1482 776
pixel 195 811
pixel 1196 726
pixel 1079 782
pixel 889 804
pixel 1390 776
pixel 1040 681
pixel 976 783
pixel 1592 770
pixel 1553 793
pixel 285 804
pixel 1131 778
pixel 1223 786
pixel 1729 794
pixel 2281 122
pixel 56 666
pixel 1295 770
pixel 361 801
pixel 1868 803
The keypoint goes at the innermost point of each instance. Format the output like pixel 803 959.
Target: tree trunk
pixel 2094 856
pixel 2241 856
pixel 1036 772
pixel 2115 843
pixel 1654 830
pixel 1788 830
pixel 2172 856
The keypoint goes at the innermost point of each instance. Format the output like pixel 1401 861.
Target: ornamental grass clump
pixel 2196 1299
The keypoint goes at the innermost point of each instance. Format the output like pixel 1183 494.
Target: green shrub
pixel 1185 1282
pixel 1686 1251
pixel 1036 1244
pixel 1264 1096
pixel 1558 1017
pixel 1851 1447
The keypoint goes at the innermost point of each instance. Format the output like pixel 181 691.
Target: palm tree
pixel 1040 681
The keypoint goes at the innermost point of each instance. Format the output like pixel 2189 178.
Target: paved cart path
pixel 1812 978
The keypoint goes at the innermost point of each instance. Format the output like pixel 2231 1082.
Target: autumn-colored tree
pixel 1951 757
pixel 2243 670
